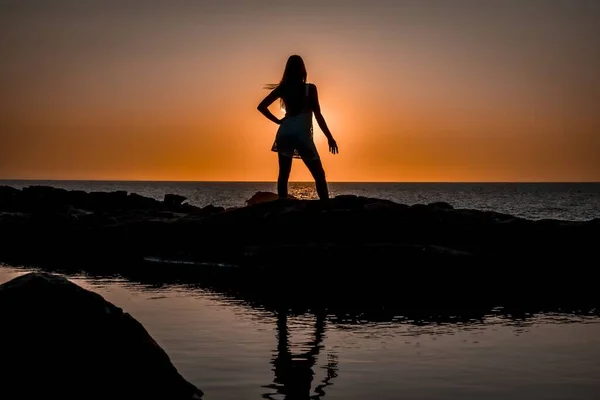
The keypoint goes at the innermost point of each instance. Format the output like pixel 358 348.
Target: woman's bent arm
pixel 263 107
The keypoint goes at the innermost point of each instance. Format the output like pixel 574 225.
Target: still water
pixel 232 350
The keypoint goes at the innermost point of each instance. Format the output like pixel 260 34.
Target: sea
pixel 235 350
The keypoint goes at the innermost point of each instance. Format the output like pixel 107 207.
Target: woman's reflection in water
pixel 294 372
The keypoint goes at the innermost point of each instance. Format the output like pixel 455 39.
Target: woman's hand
pixel 333 147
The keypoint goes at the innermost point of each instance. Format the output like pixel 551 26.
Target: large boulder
pixel 9 197
pixel 62 341
pixel 264 197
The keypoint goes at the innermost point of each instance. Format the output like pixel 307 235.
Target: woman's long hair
pixel 293 74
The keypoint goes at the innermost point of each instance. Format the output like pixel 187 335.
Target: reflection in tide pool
pixel 235 351
pixel 294 369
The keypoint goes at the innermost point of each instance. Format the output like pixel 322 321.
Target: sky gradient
pixel 411 90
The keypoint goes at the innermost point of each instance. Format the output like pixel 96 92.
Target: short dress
pixel 294 136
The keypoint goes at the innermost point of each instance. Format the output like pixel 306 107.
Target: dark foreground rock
pixel 348 249
pixel 263 197
pixel 61 341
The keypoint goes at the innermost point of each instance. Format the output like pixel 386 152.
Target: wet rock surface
pixel 62 341
pixel 349 247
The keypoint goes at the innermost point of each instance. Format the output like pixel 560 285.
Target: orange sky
pixel 412 90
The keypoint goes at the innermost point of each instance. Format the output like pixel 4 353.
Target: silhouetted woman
pixel 294 137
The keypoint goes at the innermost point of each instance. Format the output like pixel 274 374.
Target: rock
pixel 383 206
pixel 117 200
pixel 81 199
pixel 8 198
pixel 348 240
pixel 43 199
pixel 41 192
pixel 8 218
pixel 174 200
pixel 262 197
pixel 346 199
pixel 190 209
pixel 210 209
pixel 135 201
pixel 441 205
pixel 8 191
pixel 62 341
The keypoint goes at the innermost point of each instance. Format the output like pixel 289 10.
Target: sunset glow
pixel 412 91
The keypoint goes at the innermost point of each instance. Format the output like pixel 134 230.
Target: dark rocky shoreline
pixel 60 340
pixel 348 249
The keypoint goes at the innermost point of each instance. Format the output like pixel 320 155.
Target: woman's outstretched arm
pixel 333 147
pixel 263 107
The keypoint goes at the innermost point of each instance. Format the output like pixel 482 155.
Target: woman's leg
pixel 285 167
pixel 316 169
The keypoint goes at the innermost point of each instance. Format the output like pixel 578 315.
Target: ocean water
pixel 567 201
pixel 236 351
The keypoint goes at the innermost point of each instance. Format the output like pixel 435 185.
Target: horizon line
pixel 274 181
